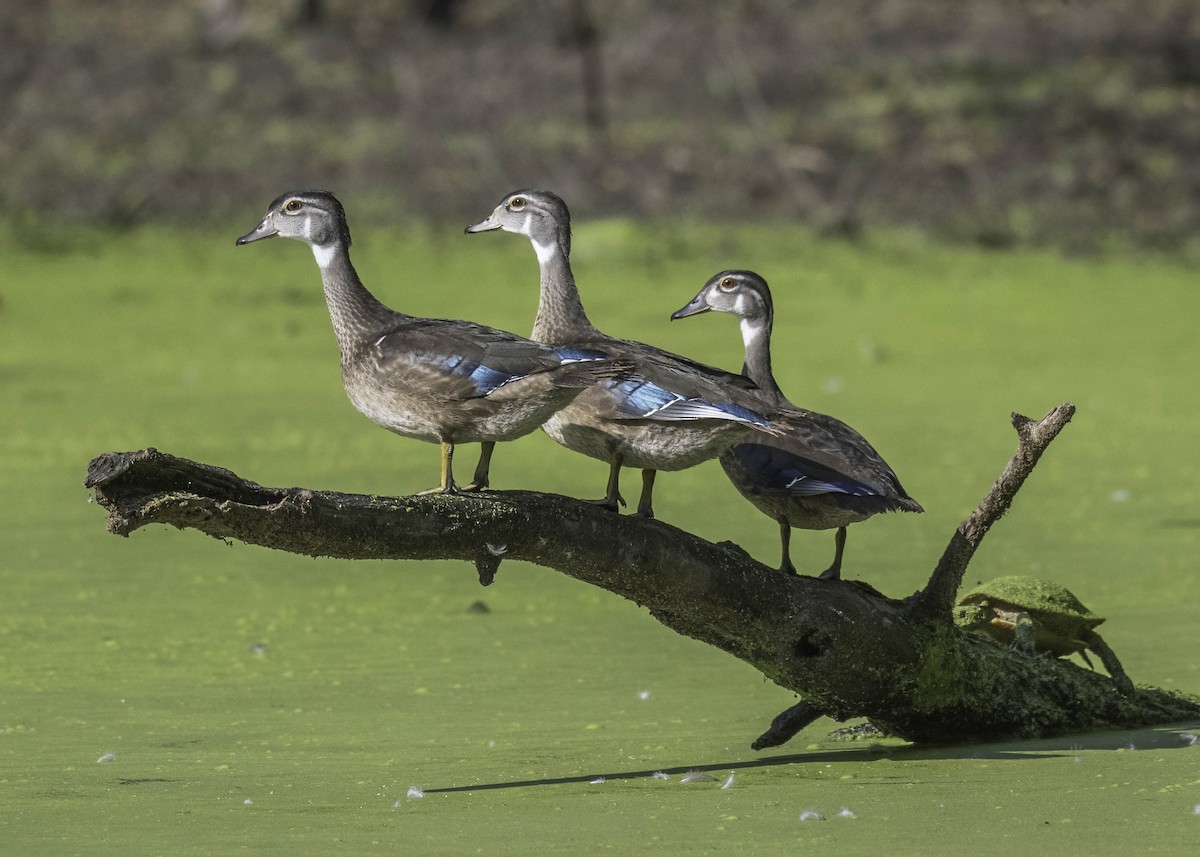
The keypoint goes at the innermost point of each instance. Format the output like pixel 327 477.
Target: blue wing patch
pixel 566 354
pixel 638 398
pixel 485 378
pixel 696 409
pixel 488 379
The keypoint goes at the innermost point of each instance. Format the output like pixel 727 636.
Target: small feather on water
pixel 661 775
pixel 846 813
pixel 107 757
pixel 596 781
pixel 415 791
pixel 811 815
pixel 695 776
pixel 728 783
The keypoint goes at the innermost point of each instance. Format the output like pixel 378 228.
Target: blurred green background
pixel 963 209
pixel 1040 121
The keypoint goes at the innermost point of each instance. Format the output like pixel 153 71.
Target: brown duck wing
pixel 666 387
pixel 464 360
pixel 819 454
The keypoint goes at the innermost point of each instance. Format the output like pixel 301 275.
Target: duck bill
pixel 258 233
pixel 492 221
pixel 696 306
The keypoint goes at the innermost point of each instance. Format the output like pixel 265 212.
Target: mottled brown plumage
pixel 819 473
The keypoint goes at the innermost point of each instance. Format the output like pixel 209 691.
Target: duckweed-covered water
pixel 172 694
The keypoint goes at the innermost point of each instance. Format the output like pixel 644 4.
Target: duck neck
pixel 560 314
pixel 756 336
pixel 355 312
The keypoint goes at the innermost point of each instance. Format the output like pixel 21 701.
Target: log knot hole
pixel 811 644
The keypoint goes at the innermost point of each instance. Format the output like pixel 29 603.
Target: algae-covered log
pixel 848 650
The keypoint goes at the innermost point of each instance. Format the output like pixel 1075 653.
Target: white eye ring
pixel 292 206
pixel 726 284
pixel 516 203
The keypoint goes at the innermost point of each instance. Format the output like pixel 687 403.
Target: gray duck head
pixel 313 216
pixel 741 293
pixel 539 215
pixel 744 294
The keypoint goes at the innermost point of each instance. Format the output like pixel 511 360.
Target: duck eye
pixel 292 206
pixel 726 283
pixel 516 203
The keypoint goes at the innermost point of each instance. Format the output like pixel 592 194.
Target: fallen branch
pixel 847 649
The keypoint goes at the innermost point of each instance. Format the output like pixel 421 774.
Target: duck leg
pixel 785 537
pixel 480 480
pixel 645 507
pixel 612 497
pixel 447 486
pixel 834 572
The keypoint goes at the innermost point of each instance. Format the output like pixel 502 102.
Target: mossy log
pixel 848 650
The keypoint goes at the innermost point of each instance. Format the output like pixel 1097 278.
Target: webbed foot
pixel 452 488
pixel 613 504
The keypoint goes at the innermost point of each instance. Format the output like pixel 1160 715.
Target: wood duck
pixel 820 474
pixel 441 381
pixel 672 413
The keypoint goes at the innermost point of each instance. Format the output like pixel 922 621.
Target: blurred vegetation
pixel 1074 124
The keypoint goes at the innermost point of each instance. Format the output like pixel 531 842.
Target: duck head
pixel 741 293
pixel 539 215
pixel 313 216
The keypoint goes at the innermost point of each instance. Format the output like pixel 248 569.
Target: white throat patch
pixel 323 253
pixel 750 331
pixel 545 252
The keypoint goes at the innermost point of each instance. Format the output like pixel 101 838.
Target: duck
pixel 437 380
pixel 819 473
pixel 671 412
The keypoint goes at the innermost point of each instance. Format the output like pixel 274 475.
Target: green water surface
pixel 247 701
